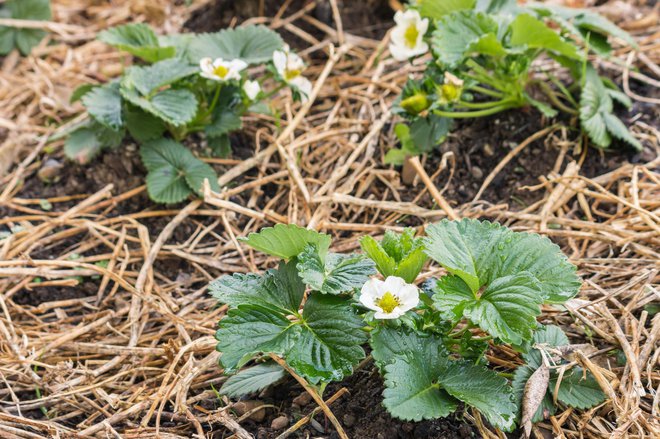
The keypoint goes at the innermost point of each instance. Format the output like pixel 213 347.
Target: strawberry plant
pixel 187 84
pixel 318 309
pixel 23 39
pixel 483 62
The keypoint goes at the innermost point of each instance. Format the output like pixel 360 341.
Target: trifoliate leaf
pixel 508 308
pixel 287 240
pixel 280 289
pixel 104 104
pixel 460 33
pixel 482 388
pixel 252 380
pixel 252 44
pixel 438 8
pixel 174 106
pixel 24 39
pixel 480 252
pixel 334 274
pixel 143 126
pixel 532 33
pixel 329 345
pixel 137 39
pixel 173 171
pixel 253 329
pixel 412 391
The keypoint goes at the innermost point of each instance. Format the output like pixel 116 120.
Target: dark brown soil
pixel 360 413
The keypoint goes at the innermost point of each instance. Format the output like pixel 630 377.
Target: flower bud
pixel 415 104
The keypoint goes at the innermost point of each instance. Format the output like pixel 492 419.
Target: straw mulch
pixel 135 357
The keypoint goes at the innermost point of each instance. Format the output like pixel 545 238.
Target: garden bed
pixel 107 325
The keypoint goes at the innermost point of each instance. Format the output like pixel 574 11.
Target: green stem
pixel 468 114
pixel 486 91
pixel 550 93
pixel 214 102
pixel 272 92
pixel 482 105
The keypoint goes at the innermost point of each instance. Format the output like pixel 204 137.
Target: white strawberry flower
pixel 251 89
pixel 221 70
pixel 289 67
pixel 390 298
pixel 408 35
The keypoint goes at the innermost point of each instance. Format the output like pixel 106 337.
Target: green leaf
pixel 225 120
pixel 252 380
pixel 220 145
pixel 596 113
pixel 428 132
pixel 81 91
pixel 399 254
pixel 533 33
pixel 481 388
pixel 412 392
pixel 438 8
pixel 460 33
pixel 329 346
pixel 137 39
pixel 253 329
pixel 173 171
pixel 578 389
pixel 334 274
pixel 141 125
pixel 82 145
pixel 508 308
pixel 287 240
pixel 104 105
pixel 252 44
pixel 451 296
pixel 281 289
pixel 174 106
pixel 385 264
pixel 23 39
pixel 480 252
pixel 148 79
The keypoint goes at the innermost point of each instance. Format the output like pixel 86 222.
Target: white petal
pixel 400 52
pixel 206 64
pixel 371 290
pixel 219 62
pixel 398 36
pixel 303 85
pixel 295 62
pixel 399 18
pixel 408 297
pixel 411 15
pixel 394 285
pixel 251 89
pixel 279 60
pixel 423 26
pixel 237 64
pixel 385 316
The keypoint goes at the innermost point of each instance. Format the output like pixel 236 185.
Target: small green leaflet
pixel 104 104
pixel 438 8
pixel 334 274
pixel 174 106
pixel 412 392
pixel 533 33
pixel 322 344
pixel 252 380
pixel 137 39
pixel 508 308
pixel 463 32
pixel 24 39
pixel 151 78
pixel 174 172
pixel 400 255
pixel 596 113
pixel 287 240
pixel 252 44
pixel 480 252
pixel 481 388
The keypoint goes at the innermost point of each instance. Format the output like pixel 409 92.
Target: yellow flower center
pixel 290 74
pixel 220 71
pixel 388 302
pixel 411 35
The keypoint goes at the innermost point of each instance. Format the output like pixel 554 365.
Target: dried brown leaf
pixel 535 389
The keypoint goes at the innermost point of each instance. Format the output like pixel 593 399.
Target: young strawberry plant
pixel 483 63
pixel 23 39
pixel 317 310
pixel 187 84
